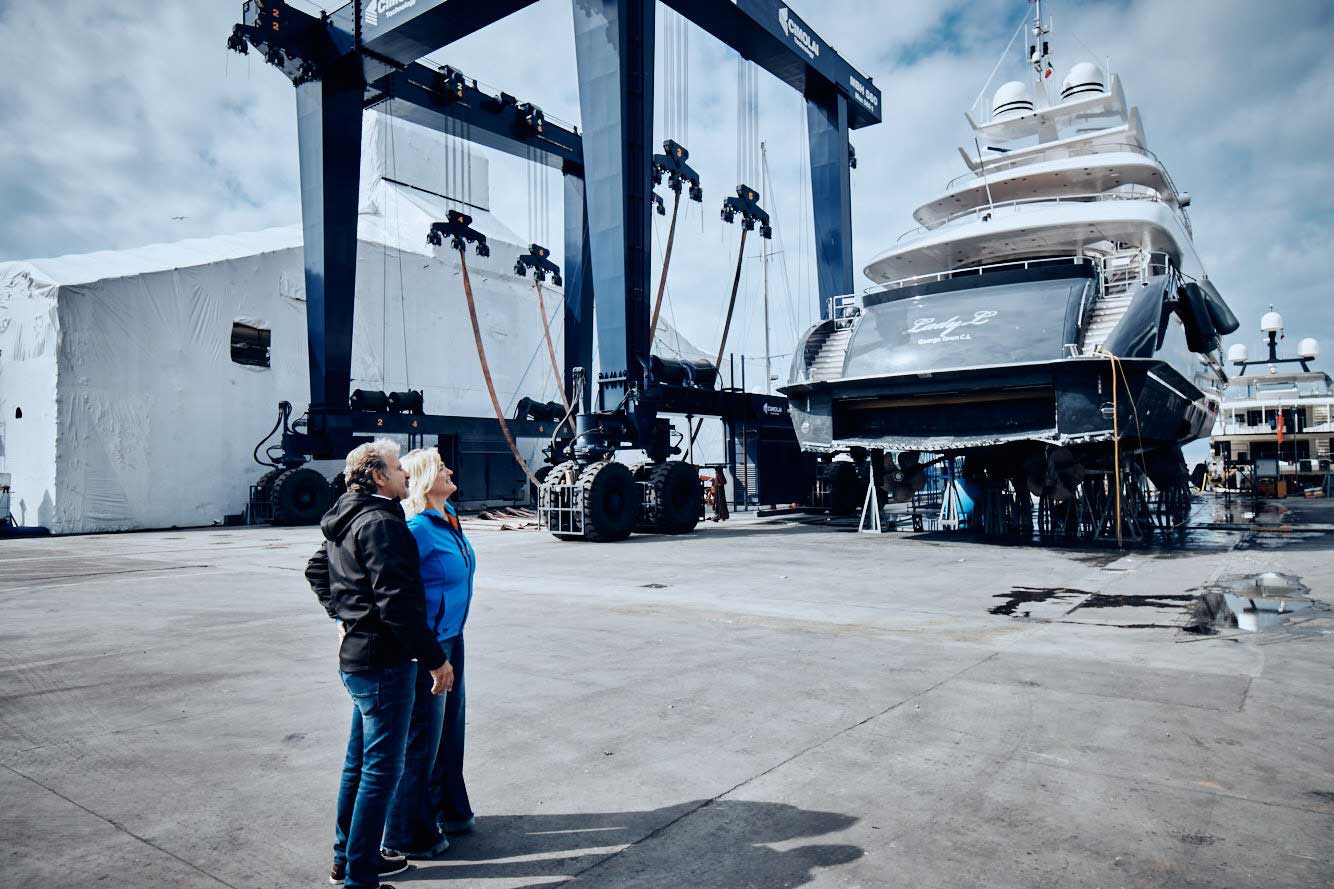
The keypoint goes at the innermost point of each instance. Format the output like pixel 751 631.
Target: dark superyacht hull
pixel 993 361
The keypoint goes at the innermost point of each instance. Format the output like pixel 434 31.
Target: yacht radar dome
pixel 1308 348
pixel 1271 322
pixel 1237 354
pixel 1011 100
pixel 1085 78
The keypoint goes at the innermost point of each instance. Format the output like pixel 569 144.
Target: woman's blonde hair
pixel 423 466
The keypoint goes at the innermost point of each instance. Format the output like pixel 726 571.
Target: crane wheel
pixel 300 497
pixel 677 494
pixel 610 499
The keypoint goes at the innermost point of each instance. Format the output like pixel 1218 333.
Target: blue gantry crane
pixel 366 54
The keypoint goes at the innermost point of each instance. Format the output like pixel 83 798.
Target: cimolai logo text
pixel 387 8
pixel 800 36
pixel 945 330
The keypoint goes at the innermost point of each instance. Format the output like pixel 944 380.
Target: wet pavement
pixel 769 703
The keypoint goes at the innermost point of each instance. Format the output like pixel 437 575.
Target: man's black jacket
pixel 367 575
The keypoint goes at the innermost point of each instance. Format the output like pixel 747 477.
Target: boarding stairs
pixel 831 353
pixel 1122 273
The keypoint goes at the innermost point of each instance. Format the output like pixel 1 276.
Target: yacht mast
pixel 1039 55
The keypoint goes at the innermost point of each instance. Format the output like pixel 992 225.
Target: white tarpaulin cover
pixel 121 406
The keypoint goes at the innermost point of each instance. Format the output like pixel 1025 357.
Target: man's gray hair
pixel 373 456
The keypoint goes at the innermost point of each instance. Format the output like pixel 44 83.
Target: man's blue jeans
pixel 382 707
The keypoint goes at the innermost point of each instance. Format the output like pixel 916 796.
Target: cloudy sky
pixel 134 125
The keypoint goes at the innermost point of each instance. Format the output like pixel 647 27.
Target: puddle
pixel 1295 540
pixel 1102 600
pixel 1250 603
pixel 1253 602
pixel 1029 595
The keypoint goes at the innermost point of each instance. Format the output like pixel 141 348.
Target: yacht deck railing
pixel 1131 193
pixel 1058 152
pixel 1114 275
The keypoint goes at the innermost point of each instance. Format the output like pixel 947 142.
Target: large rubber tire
pixel 264 487
pixel 300 497
pixel 611 501
pixel 678 494
pixel 337 485
pixel 540 473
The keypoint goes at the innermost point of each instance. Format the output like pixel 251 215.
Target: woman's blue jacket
pixel 448 564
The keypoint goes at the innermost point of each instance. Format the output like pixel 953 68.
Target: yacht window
pixel 1312 387
pixel 250 345
pixel 1254 417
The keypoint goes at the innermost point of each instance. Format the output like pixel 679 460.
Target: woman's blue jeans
pixel 448 793
pixel 431 791
pixel 411 824
pixel 381 712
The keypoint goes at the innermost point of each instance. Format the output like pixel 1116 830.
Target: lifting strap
pixel 486 369
pixel 727 324
pixel 666 261
pixel 551 349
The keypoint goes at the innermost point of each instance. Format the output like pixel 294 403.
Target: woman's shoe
pixel 441 846
pixel 389 864
pixel 464 825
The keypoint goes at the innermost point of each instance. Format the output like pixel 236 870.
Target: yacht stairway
pixel 828 363
pixel 1121 273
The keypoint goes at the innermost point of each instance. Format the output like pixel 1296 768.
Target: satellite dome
pixel 1085 78
pixel 1236 353
pixel 1011 100
pixel 1308 348
pixel 1271 322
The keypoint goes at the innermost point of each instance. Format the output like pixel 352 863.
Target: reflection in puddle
pixel 1255 602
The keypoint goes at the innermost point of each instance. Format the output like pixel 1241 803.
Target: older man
pixel 367 577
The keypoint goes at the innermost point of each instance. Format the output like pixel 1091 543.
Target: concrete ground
pixel 763 704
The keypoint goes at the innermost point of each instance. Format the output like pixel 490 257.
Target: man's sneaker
pixel 464 825
pixel 389 864
pixel 441 846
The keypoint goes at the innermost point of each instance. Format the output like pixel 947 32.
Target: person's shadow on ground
pixel 722 845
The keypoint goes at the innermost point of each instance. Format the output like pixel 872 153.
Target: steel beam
pixel 614 52
pixel 578 290
pixel 329 139
pixel 831 196
pixel 419 94
pixel 771 35
pixel 402 31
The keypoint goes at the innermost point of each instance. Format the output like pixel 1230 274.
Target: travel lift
pixel 365 54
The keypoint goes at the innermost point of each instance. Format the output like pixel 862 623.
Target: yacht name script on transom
pixel 948 326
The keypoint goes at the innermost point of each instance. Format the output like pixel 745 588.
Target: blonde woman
pixel 432 800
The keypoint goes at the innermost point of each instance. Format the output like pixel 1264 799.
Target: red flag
pixel 1280 426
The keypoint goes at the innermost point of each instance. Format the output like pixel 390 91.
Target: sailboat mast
pixel 764 263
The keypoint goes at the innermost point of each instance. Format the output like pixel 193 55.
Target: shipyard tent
pixel 135 384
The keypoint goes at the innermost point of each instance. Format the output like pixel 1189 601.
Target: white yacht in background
pixel 1277 419
pixel 1048 311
